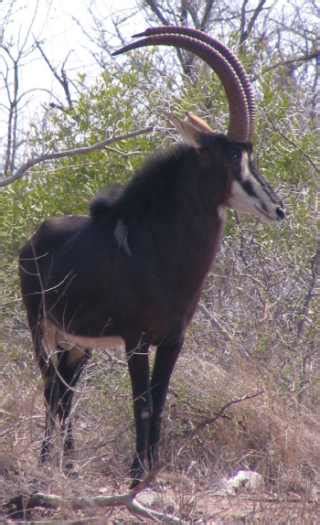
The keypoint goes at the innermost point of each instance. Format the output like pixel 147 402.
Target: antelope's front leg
pixel 138 364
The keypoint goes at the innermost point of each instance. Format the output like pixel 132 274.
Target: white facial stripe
pixel 246 175
pixel 241 199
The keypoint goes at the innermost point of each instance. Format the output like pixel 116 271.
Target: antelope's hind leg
pixel 62 376
pixel 71 365
pixel 166 357
pixel 138 364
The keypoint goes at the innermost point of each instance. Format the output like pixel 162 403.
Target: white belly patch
pixel 53 336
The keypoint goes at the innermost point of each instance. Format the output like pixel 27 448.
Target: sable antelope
pixel 131 272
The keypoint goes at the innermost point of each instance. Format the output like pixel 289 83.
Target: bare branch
pixel 84 150
pixel 187 7
pixel 155 9
pixel 245 30
pixel 22 47
pixel 243 21
pixel 221 413
pixel 206 15
pixel 19 505
pixel 13 99
pixel 297 61
pixel 62 78
pixel 254 17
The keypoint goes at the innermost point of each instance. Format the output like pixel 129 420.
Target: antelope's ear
pixel 189 133
pixel 198 123
pixel 191 128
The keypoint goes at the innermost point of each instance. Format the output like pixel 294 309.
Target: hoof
pixel 137 473
pixel 135 482
pixel 70 471
pixel 44 455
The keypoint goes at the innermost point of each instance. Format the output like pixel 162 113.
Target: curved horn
pixel 239 122
pixel 225 52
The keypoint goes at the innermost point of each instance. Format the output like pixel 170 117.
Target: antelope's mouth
pixel 265 216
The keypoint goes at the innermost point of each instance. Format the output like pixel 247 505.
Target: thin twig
pixel 214 321
pixel 211 420
pixel 293 143
pixel 62 78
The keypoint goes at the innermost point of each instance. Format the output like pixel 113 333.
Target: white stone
pixel 244 480
pixel 148 497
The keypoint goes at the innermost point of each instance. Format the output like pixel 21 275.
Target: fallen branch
pixel 19 506
pixel 84 150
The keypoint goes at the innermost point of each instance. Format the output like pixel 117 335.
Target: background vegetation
pixel 257 329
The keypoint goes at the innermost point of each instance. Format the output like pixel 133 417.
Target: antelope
pixel 131 272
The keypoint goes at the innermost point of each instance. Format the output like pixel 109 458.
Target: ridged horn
pixel 239 120
pixel 228 55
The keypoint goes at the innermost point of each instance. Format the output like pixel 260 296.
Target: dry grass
pixel 243 341
pixel 270 434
